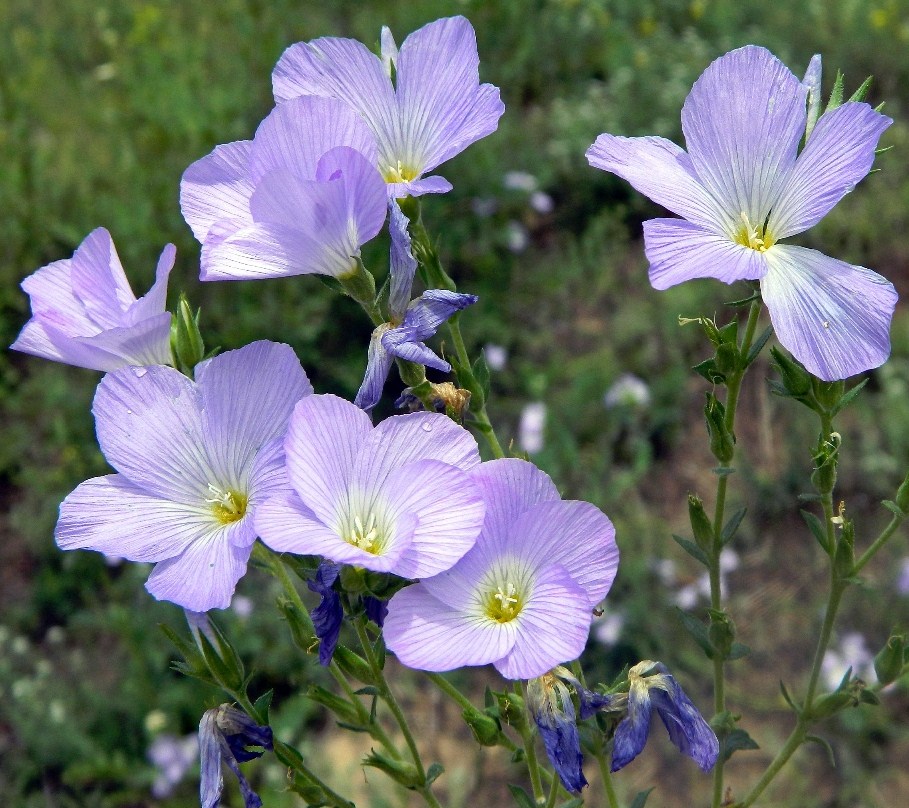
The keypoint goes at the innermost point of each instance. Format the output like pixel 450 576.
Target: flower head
pixel 299 198
pixel 194 462
pixel 411 323
pixel 522 598
pixel 423 102
pixel 85 314
pixel 395 498
pixel 742 187
pixel 225 733
pixel 651 686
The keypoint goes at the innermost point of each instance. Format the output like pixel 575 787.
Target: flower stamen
pixel 366 537
pixel 749 236
pixel 504 604
pixel 227 505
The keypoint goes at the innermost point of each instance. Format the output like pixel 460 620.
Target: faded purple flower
pixel 743 186
pixel 392 498
pixel 300 198
pixel 522 598
pixel 328 615
pixel 412 322
pixel 652 687
pixel 225 735
pixel 195 460
pixel 424 103
pixel 85 314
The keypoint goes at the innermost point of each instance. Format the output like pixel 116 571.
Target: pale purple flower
pixel 652 687
pixel 523 597
pixel 627 391
pixel 742 186
pixel 225 735
pixel 496 356
pixel 392 498
pixel 172 757
pixel 412 322
pixel 194 462
pixel 532 426
pixel 902 581
pixel 84 312
pixel 299 198
pixel 851 652
pixel 424 103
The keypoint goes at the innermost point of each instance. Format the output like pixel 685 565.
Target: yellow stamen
pixel 504 604
pixel 749 235
pixel 226 504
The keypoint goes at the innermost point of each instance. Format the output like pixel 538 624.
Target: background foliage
pixel 103 104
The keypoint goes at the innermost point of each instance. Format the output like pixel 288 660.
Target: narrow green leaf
pixel 521 797
pixel 692 549
pixel 755 295
pixel 698 631
pixel 862 91
pixel 640 799
pixel 758 345
pixel 823 742
pixel 730 528
pixel 708 370
pixel 817 529
pixel 847 397
pixel 788 698
pixel 367 691
pixel 481 374
pixel 836 95
pixel 895 509
pixel 434 772
pixel 738 651
pixel 262 706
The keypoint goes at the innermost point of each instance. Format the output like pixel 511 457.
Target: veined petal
pixel 834 317
pixel 53 302
pixel 296 135
pixel 687 728
pixel 433 308
pixel 509 487
pixel 155 301
pixel 249 395
pixel 448 509
pixel 365 189
pixel 426 634
pixel 285 524
pixel 743 121
pixel 631 733
pixel 145 343
pixel 551 628
pixel 442 106
pixel 838 154
pixel 204 576
pixel 401 342
pixel 98 280
pixel 576 535
pixel 403 264
pixel 323 439
pixel 332 67
pixel 149 426
pixel 663 172
pixel 403 439
pixel 111 515
pixel 378 365
pixel 419 187
pixel 217 187
pixel 680 251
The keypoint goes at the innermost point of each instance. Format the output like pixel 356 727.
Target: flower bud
pixel 186 344
pixel 700 523
pixel 721 632
pixel 795 379
pixel 722 441
pixel 398 770
pixel 485 728
pixel 889 663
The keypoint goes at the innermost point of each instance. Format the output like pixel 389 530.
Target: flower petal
pixel 442 105
pixel 323 439
pixel 217 187
pixel 686 726
pixel 426 634
pixel 403 264
pixel 834 317
pixel 419 187
pixel 249 395
pixel 433 308
pixel 743 121
pixel 111 515
pixel 631 733
pixel 680 251
pixel 838 154
pixel 53 302
pixel 155 301
pixel 378 366
pixel 204 576
pixel 99 282
pixel 660 170
pixel 552 627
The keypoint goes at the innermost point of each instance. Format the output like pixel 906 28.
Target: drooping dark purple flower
pixel 423 102
pixel 328 615
pixel 84 312
pixel 225 735
pixel 743 186
pixel 376 609
pixel 652 687
pixel 412 322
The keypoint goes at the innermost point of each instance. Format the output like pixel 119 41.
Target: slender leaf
pixel 692 549
pixel 730 528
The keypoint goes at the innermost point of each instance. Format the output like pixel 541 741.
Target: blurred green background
pixel 103 105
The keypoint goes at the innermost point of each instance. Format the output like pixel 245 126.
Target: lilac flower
pixel 651 686
pixel 522 599
pixel 424 103
pixel 85 314
pixel 195 460
pixel 411 322
pixel 742 186
pixel 225 733
pixel 395 498
pixel 328 615
pixel 172 757
pixel 299 198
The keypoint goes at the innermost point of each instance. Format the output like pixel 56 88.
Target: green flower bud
pixel 485 728
pixel 700 523
pixel 354 665
pixel 902 495
pixel 721 632
pixel 342 708
pixel 795 379
pixel 831 703
pixel 401 772
pixel 301 628
pixel 722 441
pixel 186 345
pixel 889 663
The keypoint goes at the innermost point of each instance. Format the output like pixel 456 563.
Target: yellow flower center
pixel 505 604
pixel 226 504
pixel 399 173
pixel 757 238
pixel 366 537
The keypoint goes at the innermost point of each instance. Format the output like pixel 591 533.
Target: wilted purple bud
pixel 328 615
pixel 225 733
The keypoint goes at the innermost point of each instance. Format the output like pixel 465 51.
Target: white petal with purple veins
pixel 217 187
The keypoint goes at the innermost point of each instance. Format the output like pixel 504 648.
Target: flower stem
pixel 606 777
pixel 530 752
pixel 879 542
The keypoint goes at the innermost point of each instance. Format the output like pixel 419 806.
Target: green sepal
pixel 353 579
pixel 398 770
pixel 708 369
pixel 795 380
pixel 510 708
pixel 378 648
pixel 692 549
pixel 825 744
pixel 360 285
pixel 732 525
pixel 788 699
pixel 186 345
pixel 303 566
pixel 722 441
pixel 831 703
pixel 847 397
pixel 817 529
pixel 354 665
pixel 434 772
pixel 836 94
pixel 486 728
pixel 757 346
pixel 341 707
pixel 261 706
pixel 727 358
pixel 640 799
pixel 521 797
pixel 890 661
pixel 698 631
pixel 745 301
pixel 302 631
pixel 828 394
pixel 902 495
pixel 862 91
pixel 194 664
pixel 481 374
pixel 223 661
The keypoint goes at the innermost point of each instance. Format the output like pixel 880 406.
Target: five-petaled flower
pixel 652 687
pixel 392 498
pixel 194 461
pixel 743 186
pixel 85 314
pixel 411 323
pixel 424 103
pixel 522 598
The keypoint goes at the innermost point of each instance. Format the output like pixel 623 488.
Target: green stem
pixel 793 742
pixel 530 752
pixel 450 690
pixel 553 793
pixel 733 389
pixel 606 777
pixel 879 542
